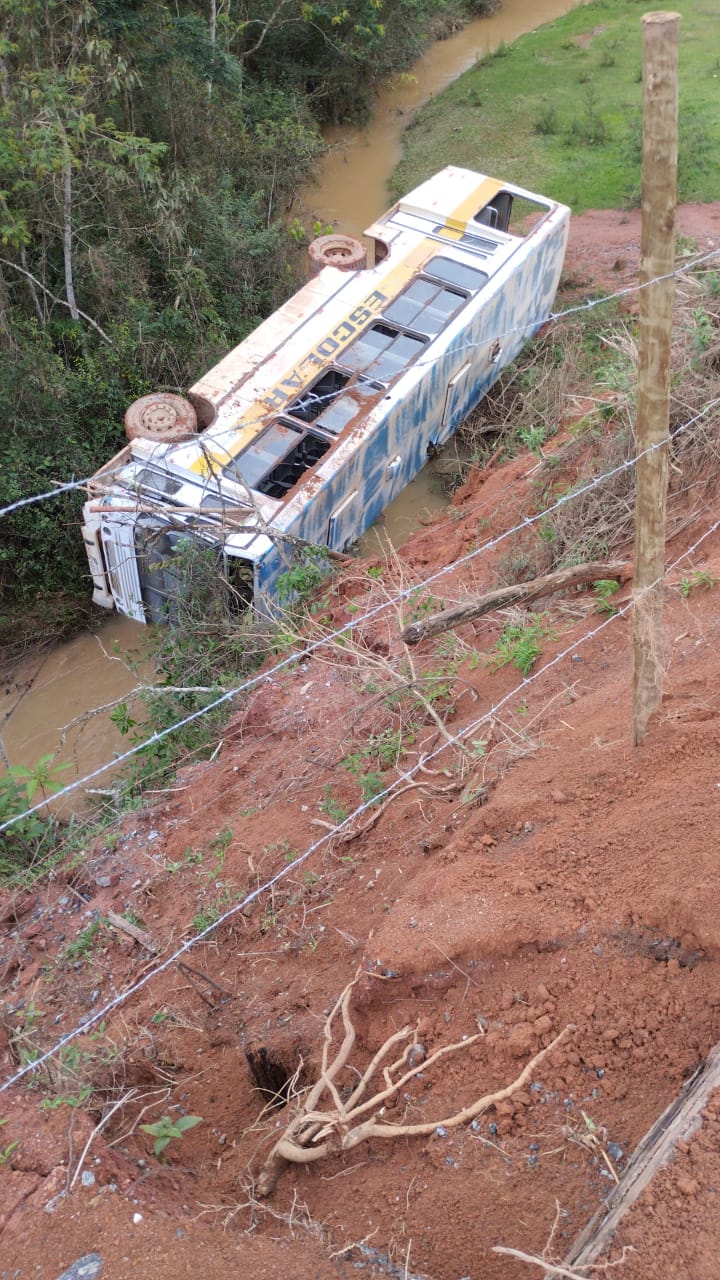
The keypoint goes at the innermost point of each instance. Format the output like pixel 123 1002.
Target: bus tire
pixel 161 416
pixel 342 252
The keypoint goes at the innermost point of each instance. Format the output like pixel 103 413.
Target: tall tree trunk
pixel 213 39
pixel 67 238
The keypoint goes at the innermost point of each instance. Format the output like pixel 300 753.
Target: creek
pixel 49 701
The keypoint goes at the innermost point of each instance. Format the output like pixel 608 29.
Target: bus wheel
pixel 342 252
pixel 161 416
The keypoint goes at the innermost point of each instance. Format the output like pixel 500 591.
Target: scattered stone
pixel 86 1268
pixel 137 1217
pixel 441 1131
pixel 418 1053
pixel 108 882
pixel 87 1178
pixel 615 1151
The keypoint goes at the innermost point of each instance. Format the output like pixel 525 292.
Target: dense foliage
pixel 149 152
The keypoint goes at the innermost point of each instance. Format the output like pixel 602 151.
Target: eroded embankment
pixel 547 876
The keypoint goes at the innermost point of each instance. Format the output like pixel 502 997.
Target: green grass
pixel 564 118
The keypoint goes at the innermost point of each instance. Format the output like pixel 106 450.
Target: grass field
pixel 559 111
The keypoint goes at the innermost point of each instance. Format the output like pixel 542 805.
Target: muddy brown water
pixel 350 189
pixel 49 702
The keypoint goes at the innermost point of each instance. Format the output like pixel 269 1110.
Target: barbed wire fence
pixel 404 776
pixel 327 640
pixel 555 317
pixel 307 650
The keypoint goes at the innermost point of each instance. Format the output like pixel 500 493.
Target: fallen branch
pixel 313 1134
pixel 193 974
pixel 678 1122
pixel 378 810
pixel 520 593
pixel 61 301
pixel 133 930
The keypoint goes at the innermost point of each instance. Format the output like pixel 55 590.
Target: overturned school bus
pixel 305 432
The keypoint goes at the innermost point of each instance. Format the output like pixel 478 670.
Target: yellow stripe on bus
pixel 251 421
pixel 287 388
pixel 472 204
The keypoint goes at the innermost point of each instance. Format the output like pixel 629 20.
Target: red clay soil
pixel 550 878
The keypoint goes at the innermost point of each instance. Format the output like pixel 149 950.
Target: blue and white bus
pixel 305 432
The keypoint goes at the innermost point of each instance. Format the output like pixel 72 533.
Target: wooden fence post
pixel 659 198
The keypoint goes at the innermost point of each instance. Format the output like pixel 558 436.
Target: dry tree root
pixel 315 1132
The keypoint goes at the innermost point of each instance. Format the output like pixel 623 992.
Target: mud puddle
pixel 52 702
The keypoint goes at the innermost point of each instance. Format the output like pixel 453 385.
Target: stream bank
pixel 46 694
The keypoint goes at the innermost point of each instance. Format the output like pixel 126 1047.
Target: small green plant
pixel 588 130
pixel 519 645
pixel 82 946
pixel 332 808
pixel 43 776
pixel 204 919
pixel 166 1130
pixel 73 1100
pixel 421 604
pixel 604 589
pixel 122 719
pixel 704 330
pixel 546 122
pixel 700 578
pixel 370 782
pixel 268 921
pixel 383 749
pixel 284 847
pixel 299 582
pixel 29 837
pixel 6 1152
pixel 192 857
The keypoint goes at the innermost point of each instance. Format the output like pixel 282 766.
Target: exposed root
pixel 553 1269
pixel 315 1133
